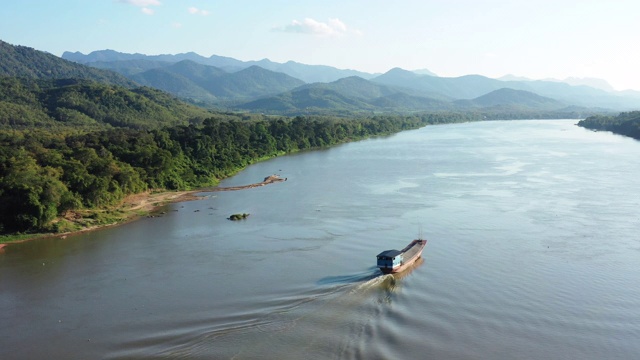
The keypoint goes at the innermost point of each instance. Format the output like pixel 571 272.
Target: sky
pixel 537 39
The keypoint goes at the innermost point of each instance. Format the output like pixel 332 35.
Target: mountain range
pixel 320 87
pixel 250 86
pixel 109 59
pixel 188 79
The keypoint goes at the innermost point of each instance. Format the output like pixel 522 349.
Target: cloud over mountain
pixel 333 27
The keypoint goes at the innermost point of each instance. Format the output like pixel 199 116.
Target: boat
pixel 394 261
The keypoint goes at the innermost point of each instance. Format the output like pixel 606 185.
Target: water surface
pixel 532 250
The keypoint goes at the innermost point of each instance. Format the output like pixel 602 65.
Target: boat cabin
pixel 390 259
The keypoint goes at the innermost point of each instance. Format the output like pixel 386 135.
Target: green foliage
pixel 44 174
pixel 25 62
pixel 626 123
pixel 32 194
pixel 87 105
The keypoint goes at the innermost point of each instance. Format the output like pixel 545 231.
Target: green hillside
pixel 25 62
pixel 173 83
pixel 85 104
pixel 515 98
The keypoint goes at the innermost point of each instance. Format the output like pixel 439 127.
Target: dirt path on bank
pixel 150 201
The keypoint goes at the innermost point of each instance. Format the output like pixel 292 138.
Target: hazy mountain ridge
pixel 418 83
pixel 304 72
pixel 209 83
pixel 472 86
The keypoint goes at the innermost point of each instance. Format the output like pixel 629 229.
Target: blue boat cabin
pixel 390 259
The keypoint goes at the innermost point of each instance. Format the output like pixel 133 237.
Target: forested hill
pixel 25 62
pixel 86 105
pixel 626 123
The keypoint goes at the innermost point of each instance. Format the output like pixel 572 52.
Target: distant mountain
pixel 208 83
pixel 574 81
pixel 399 102
pixel 253 82
pixel 514 98
pixel 111 55
pixel 630 93
pixel 421 83
pixel 511 77
pixel 130 67
pixel 352 94
pixel 176 84
pixel 307 100
pixel 590 82
pixel 198 73
pixel 465 87
pixel 424 72
pixel 472 86
pixel 310 73
pixel 25 62
pixel 306 73
pixel 354 86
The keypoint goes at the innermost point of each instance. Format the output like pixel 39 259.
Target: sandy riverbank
pixel 139 205
pixel 148 202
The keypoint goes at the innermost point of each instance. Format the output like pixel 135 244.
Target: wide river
pixel 533 253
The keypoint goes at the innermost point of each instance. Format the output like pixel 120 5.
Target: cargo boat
pixel 393 261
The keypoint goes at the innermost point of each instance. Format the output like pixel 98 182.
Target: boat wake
pixel 374 282
pixel 348 279
pixel 341 312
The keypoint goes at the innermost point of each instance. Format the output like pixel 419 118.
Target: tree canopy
pixel 626 123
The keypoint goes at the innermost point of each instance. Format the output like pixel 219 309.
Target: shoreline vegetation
pixel 69 179
pixel 626 124
pixel 134 207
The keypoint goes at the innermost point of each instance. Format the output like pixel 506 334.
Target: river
pixel 532 254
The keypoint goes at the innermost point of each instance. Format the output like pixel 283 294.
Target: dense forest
pixel 626 123
pixel 25 62
pixel 88 105
pixel 45 173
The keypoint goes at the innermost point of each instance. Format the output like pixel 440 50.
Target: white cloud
pixel 333 27
pixel 338 25
pixel 141 3
pixel 176 25
pixel 196 11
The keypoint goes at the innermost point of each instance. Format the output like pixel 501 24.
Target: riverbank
pixel 131 208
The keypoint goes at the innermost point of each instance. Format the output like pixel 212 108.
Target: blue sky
pixel 535 39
